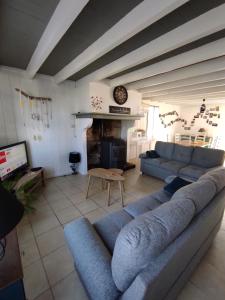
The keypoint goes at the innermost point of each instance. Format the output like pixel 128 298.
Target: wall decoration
pixel 36 112
pixel 120 94
pixel 171 113
pixel 204 113
pixel 96 103
pixel 203 107
pixel 119 110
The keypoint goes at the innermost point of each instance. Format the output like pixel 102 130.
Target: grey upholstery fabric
pixel 109 227
pixel 156 171
pixel 182 153
pixel 200 192
pixel 164 149
pixel 92 260
pixel 173 166
pixel 162 275
pixel 144 205
pixel 217 177
pixel 161 196
pixel 147 203
pixel 202 160
pixel 192 171
pixel 156 161
pixel 207 158
pixel 146 237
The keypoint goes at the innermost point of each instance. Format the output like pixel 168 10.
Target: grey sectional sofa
pixel 185 161
pixel 148 249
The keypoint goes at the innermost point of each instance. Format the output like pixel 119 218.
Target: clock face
pixel 120 94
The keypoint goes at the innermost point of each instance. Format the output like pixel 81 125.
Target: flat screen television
pixel 13 159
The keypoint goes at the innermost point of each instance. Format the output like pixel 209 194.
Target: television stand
pixel 36 175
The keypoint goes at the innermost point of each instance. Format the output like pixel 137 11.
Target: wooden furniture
pixel 194 144
pixel 177 137
pixel 200 137
pixel 137 146
pixel 186 138
pixel 108 176
pixel 11 275
pixel 37 176
pixel 191 138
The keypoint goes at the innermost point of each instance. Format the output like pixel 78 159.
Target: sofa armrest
pixel 143 155
pixel 92 259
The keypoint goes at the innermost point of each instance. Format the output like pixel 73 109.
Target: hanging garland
pixel 171 113
pixel 208 115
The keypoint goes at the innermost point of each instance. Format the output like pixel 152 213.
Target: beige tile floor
pixel 48 267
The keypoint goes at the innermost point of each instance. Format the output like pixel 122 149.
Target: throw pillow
pixel 175 185
pixel 152 154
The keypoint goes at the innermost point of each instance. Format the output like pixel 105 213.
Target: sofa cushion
pixel 142 206
pixel 109 227
pixel 207 158
pixel 147 203
pixel 175 185
pixel 155 161
pixel 217 177
pixel 173 166
pixel 192 171
pixel 164 149
pixel 182 153
pixel 200 192
pixel 144 238
pixel 161 196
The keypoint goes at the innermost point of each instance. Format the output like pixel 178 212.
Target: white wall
pixel 51 151
pixel 83 96
pixel 187 112
pixel 57 141
pixel 8 131
pixel 167 133
pixel 103 90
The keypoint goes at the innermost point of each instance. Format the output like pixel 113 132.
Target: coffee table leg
pixel 121 192
pixel 103 184
pixel 108 184
pixel 89 180
pixel 123 187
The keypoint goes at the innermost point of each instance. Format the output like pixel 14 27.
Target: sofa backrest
pixel 199 192
pixel 207 158
pixel 164 149
pixel 144 238
pixel 182 153
pixel 217 177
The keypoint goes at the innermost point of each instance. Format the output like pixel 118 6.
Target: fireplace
pixel 90 129
pixel 105 147
pixel 113 153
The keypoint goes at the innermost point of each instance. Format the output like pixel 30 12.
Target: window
pixel 153 126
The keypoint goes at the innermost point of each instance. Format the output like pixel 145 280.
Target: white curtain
pixel 154 128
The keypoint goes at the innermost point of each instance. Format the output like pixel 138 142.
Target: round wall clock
pixel 120 94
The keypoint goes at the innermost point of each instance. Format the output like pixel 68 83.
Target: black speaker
pixel 74 157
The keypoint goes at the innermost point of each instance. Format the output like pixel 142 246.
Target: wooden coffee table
pixel 107 176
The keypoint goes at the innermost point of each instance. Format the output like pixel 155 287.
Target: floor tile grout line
pixel 46 275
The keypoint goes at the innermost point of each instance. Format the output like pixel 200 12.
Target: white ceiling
pixel 169 50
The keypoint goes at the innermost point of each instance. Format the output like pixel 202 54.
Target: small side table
pixel 108 176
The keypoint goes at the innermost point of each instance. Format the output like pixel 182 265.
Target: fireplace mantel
pixel 99 115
